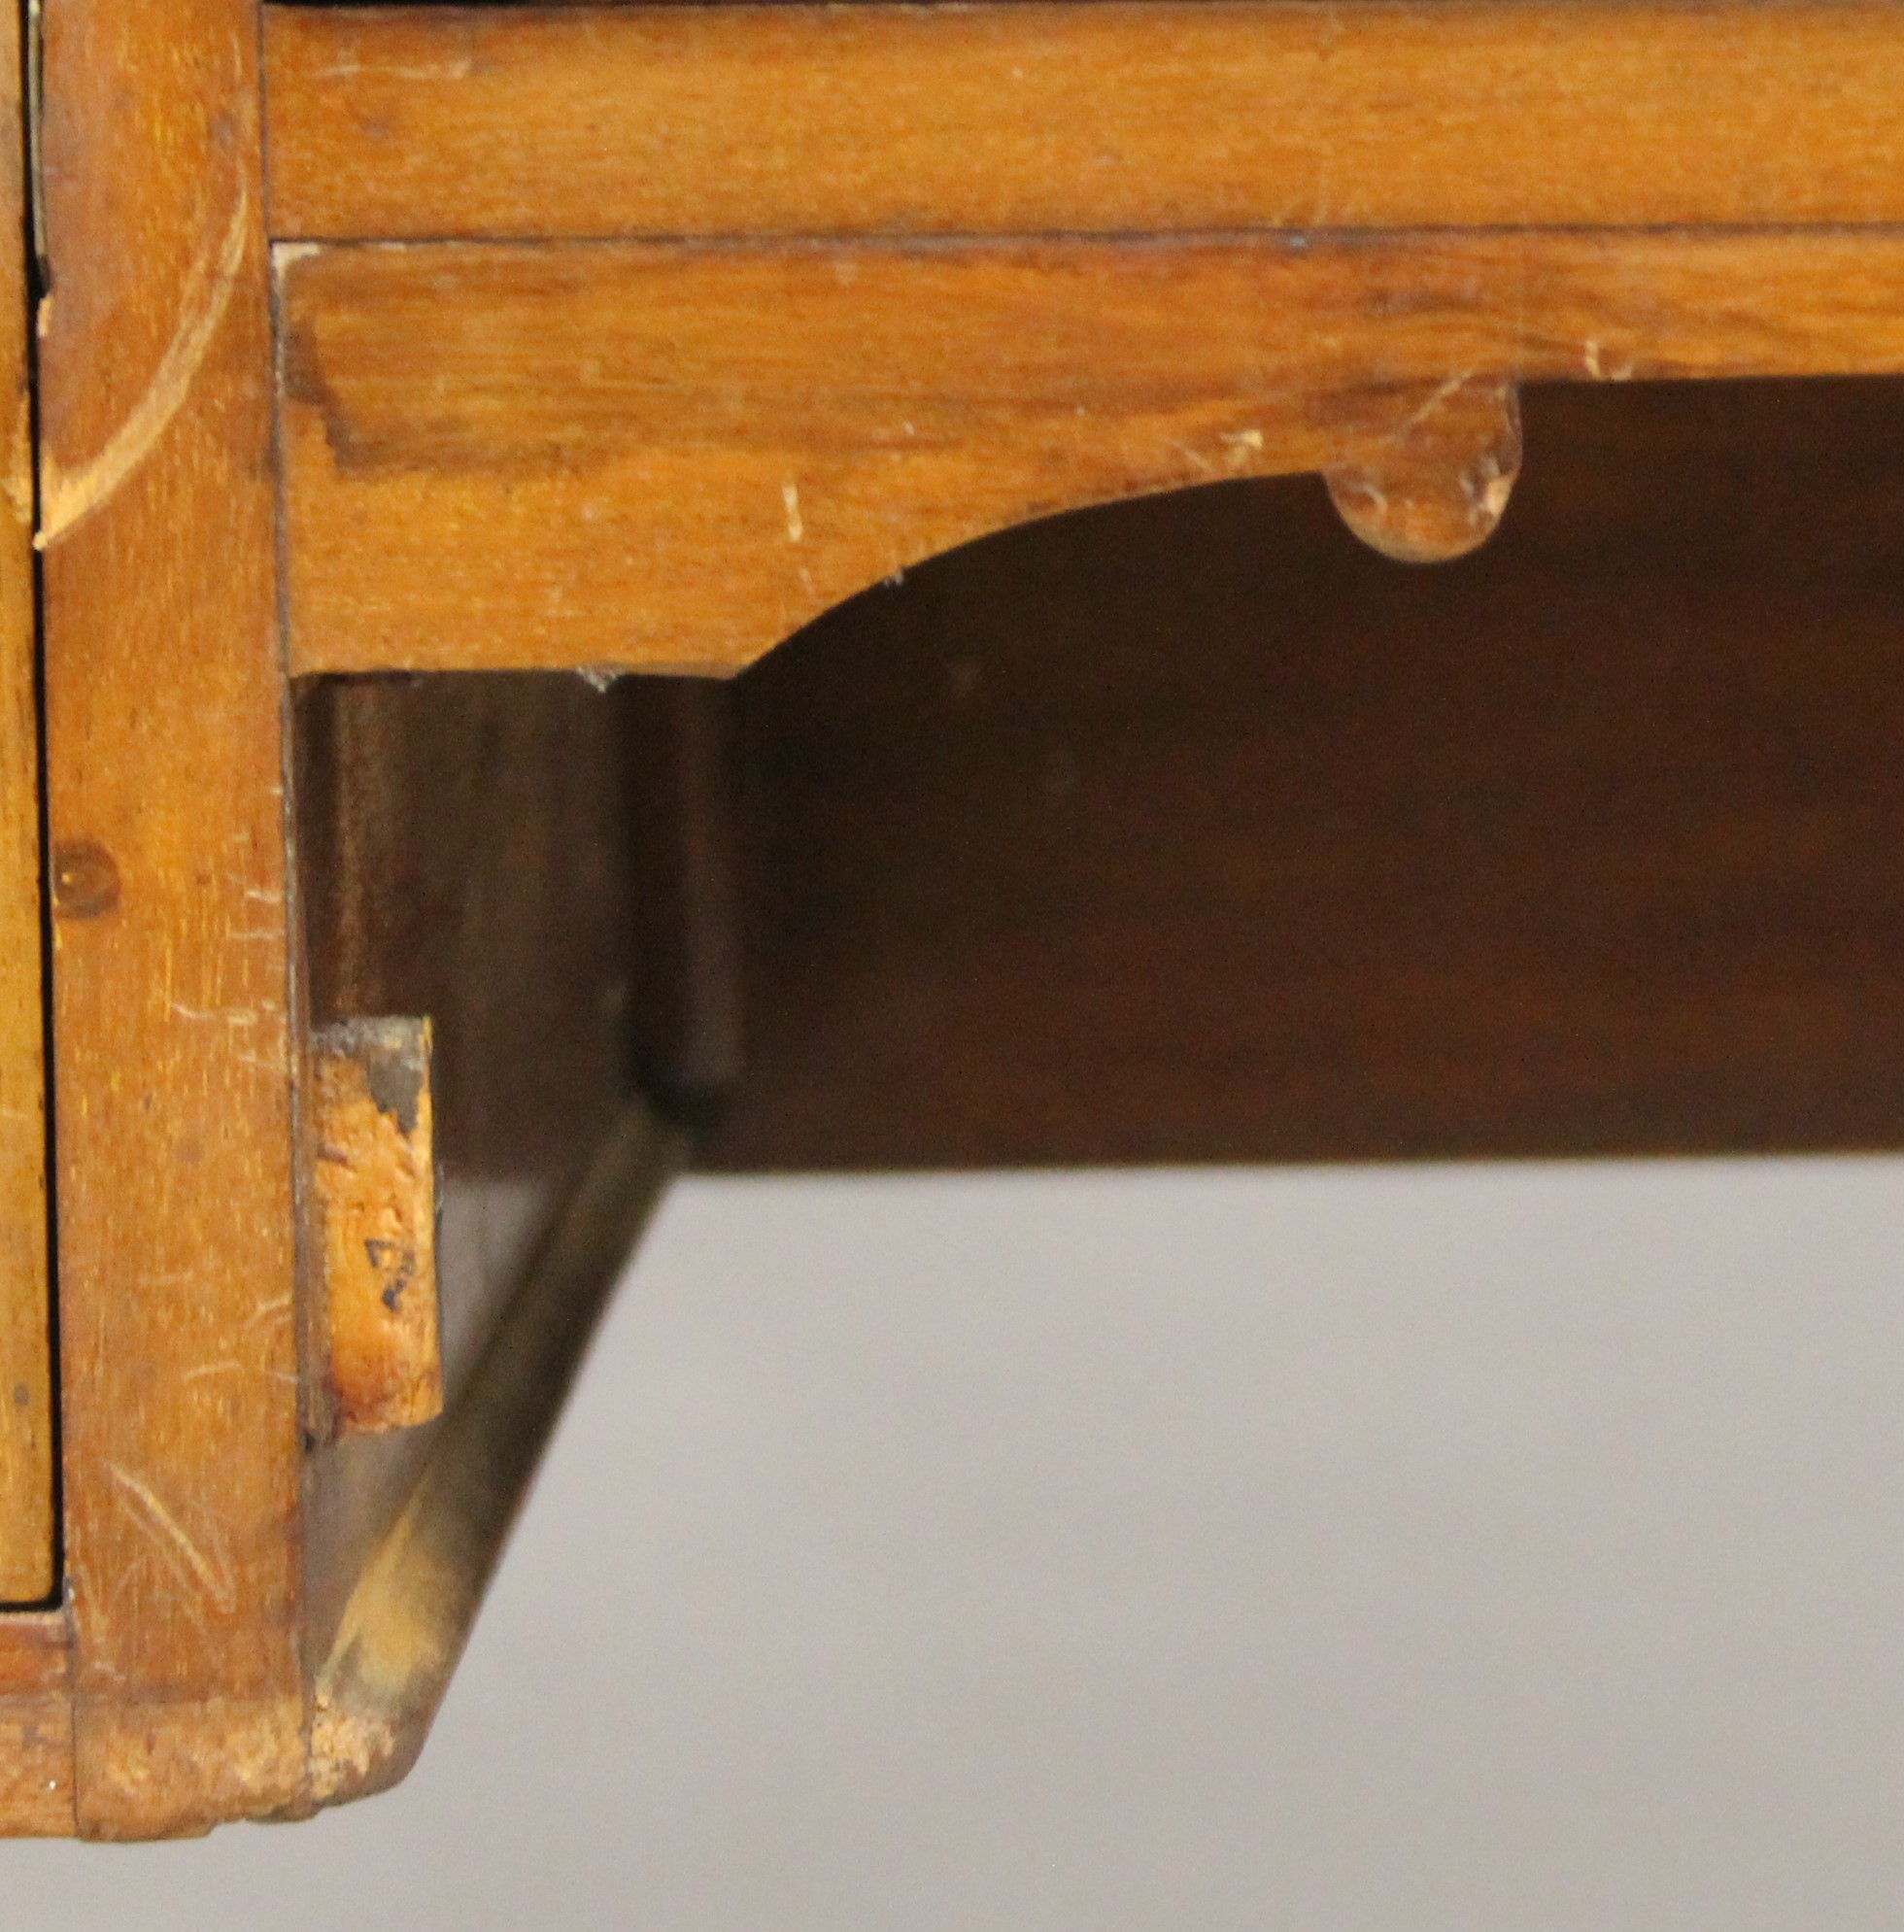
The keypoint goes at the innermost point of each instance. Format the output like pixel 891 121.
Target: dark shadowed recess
pixel 1188 830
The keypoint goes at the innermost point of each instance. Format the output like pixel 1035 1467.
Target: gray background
pixel 1491 1549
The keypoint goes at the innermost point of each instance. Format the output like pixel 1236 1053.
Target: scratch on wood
pixel 1597 368
pixel 155 1516
pixel 17 483
pixel 69 497
pixel 790 497
pixel 1437 397
pixel 459 69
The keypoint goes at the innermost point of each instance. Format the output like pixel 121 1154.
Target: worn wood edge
pixel 36 1725
pixel 36 1651
pixel 28 1532
pixel 178 1766
pixel 36 1765
pixel 411 1613
pixel 150 1766
pixel 425 123
pixel 374 1180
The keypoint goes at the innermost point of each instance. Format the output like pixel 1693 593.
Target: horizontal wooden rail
pixel 670 456
pixel 1137 114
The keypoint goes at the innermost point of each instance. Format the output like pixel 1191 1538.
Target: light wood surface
pixel 665 457
pixel 36 1725
pixel 429 122
pixel 374 1178
pixel 27 1413
pixel 164 714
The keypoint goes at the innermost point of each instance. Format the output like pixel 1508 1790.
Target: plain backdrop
pixel 1507 1550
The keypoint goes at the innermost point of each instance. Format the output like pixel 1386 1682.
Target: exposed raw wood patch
pixel 375 1181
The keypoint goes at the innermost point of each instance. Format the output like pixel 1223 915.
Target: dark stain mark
pixel 85 880
pixel 382 1254
pixel 395 1056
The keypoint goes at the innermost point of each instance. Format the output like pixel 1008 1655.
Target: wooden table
pixel 392 365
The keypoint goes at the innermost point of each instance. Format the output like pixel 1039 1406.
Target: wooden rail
pixel 1134 115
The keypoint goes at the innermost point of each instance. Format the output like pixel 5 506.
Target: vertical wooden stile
pixel 165 708
pixel 27 1416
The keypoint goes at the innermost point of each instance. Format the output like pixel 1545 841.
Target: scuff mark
pixel 459 69
pixel 284 253
pixel 347 1750
pixel 1597 368
pixel 790 496
pixel 206 1371
pixel 1194 457
pixel 1590 355
pixel 1443 392
pixel 69 497
pixel 213 1578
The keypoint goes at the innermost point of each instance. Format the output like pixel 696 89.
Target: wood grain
pixel 436 122
pixel 36 1726
pixel 671 457
pixel 1191 830
pixel 164 716
pixel 26 1393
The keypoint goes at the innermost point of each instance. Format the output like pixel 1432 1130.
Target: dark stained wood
pixel 172 1047
pixel 688 1003
pixel 424 122
pixel 464 854
pixel 601 454
pixel 1189 830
